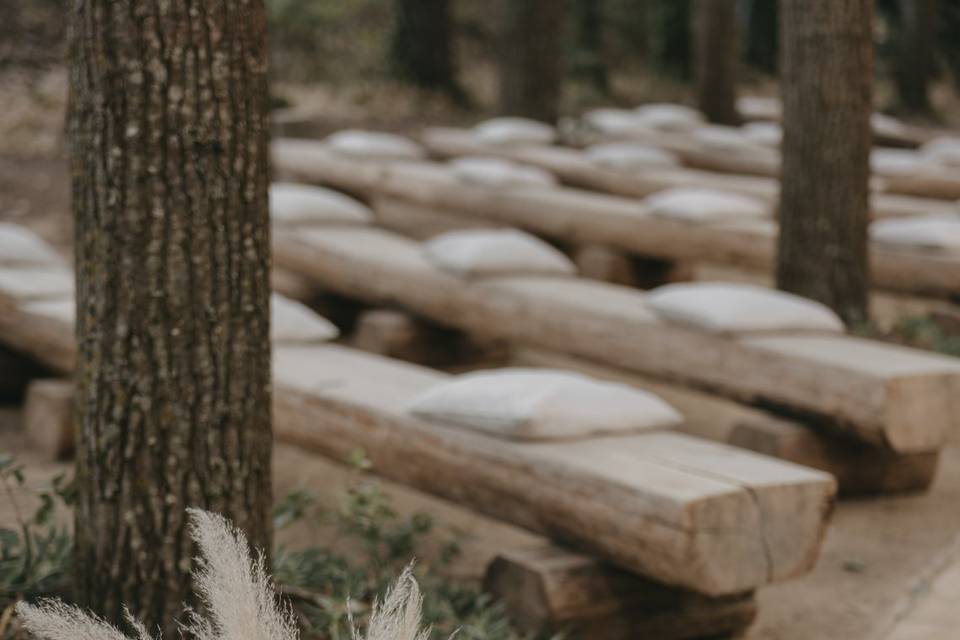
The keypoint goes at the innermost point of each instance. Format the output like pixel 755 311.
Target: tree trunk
pixel 422 50
pixel 716 59
pixel 915 63
pixel 530 59
pixel 668 22
pixel 827 79
pixel 762 41
pixel 168 128
pixel 590 65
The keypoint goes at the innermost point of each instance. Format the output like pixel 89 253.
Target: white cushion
pixel 497 172
pixel 20 246
pixel 768 134
pixel 704 205
pixel 606 120
pixel 627 156
pixel 512 130
pixel 668 117
pixel 944 150
pixel 291 321
pixel 888 126
pixel 57 309
pixel 374 145
pixel 542 404
pixel 301 204
pixel 477 253
pixel 723 140
pixel 924 233
pixel 897 162
pixel 723 307
pixel 36 283
pixel 759 107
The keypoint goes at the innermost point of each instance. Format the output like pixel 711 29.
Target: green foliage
pixel 36 555
pixel 328 587
pixel 922 332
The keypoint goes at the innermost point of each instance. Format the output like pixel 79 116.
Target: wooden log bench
pixel 883 394
pixel 679 510
pixel 579 217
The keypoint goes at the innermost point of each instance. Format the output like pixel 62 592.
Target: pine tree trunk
pixel 422 50
pixel 915 62
pixel 762 41
pixel 827 79
pixel 590 64
pixel 168 129
pixel 715 59
pixel 530 59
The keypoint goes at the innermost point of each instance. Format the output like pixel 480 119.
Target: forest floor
pixel 880 556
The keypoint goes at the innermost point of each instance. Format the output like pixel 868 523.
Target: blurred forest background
pixel 336 59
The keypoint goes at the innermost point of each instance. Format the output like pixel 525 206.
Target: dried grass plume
pixel 238 596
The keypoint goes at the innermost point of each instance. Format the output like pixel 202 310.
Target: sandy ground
pixel 879 560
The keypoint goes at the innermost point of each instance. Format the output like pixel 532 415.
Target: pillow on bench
pixel 944 150
pixel 542 404
pixel 628 156
pixel 511 130
pixel 291 321
pixel 922 233
pixel 36 283
pixel 496 252
pixel 768 134
pixel 720 139
pixel 721 307
pixel 702 204
pixel 614 121
pixel 21 246
pixel 668 117
pixel 303 205
pixel 496 172
pixel 374 145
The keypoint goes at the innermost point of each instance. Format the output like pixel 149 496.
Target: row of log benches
pixel 712 521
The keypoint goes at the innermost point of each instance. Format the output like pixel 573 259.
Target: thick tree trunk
pixel 590 65
pixel 530 59
pixel 715 59
pixel 422 50
pixel 827 76
pixel 915 64
pixel 168 128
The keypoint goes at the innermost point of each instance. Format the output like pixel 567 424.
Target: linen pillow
pixel 923 233
pixel 303 205
pixel 542 404
pixel 703 205
pixel 496 172
pixel 374 145
pixel 291 321
pixel 513 131
pixel 721 307
pixel 495 252
pixel 21 246
pixel 668 117
pixel 627 156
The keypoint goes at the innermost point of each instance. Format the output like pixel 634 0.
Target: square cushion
pixel 496 252
pixel 542 404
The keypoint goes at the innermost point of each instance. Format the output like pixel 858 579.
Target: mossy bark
pixel 169 135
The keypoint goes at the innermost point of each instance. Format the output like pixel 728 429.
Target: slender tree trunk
pixel 168 128
pixel 590 65
pixel 715 59
pixel 915 61
pixel 670 39
pixel 762 41
pixel 827 80
pixel 530 59
pixel 422 50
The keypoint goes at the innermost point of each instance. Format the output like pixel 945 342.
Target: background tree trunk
pixel 915 58
pixel 422 49
pixel 826 79
pixel 590 64
pixel 716 59
pixel 762 41
pixel 168 128
pixel 530 59
pixel 670 39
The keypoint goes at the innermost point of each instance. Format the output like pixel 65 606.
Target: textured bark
pixel 422 51
pixel 915 60
pixel 530 59
pixel 168 129
pixel 827 75
pixel 716 59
